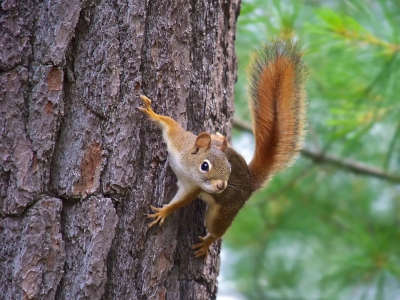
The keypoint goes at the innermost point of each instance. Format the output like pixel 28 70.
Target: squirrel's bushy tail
pixel 277 102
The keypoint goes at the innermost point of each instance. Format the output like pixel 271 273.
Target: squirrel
pixel 208 168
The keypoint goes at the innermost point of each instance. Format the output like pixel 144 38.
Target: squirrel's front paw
pixel 147 101
pixel 160 215
pixel 202 246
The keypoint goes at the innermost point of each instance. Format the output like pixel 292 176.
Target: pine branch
pixel 320 157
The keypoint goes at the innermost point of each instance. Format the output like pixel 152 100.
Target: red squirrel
pixel 208 168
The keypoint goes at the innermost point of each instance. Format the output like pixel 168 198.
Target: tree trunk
pixel 79 166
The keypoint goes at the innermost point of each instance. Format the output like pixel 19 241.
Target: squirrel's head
pixel 209 166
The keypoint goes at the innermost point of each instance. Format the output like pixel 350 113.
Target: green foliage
pixel 318 231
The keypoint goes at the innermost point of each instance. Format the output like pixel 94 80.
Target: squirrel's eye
pixel 205 166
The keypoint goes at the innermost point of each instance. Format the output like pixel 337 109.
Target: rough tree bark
pixel 79 165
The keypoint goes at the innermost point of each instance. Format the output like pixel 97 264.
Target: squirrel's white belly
pixel 176 165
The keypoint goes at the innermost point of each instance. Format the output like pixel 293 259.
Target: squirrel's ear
pixel 220 141
pixel 203 141
pixel 224 144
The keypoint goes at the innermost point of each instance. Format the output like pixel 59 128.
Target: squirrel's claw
pixel 160 215
pixel 159 218
pixel 143 110
pixel 147 101
pixel 147 108
pixel 202 248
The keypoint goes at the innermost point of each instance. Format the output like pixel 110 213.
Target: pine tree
pixel 329 227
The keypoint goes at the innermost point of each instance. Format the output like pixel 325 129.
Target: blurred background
pixel 328 227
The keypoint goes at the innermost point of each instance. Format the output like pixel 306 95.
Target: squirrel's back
pixel 277 102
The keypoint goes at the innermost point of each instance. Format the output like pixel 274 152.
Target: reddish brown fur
pixel 277 104
pixel 278 111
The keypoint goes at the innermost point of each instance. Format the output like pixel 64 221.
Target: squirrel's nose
pixel 221 185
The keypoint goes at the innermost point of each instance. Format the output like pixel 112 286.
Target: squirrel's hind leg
pixel 202 247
